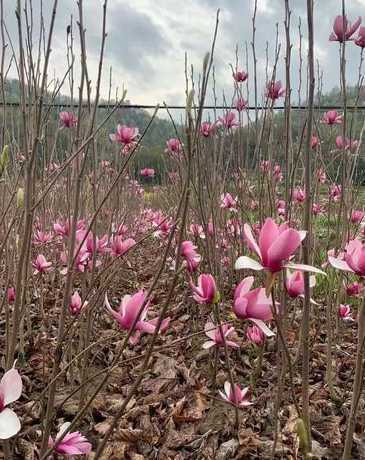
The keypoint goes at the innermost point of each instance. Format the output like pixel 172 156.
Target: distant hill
pixel 160 131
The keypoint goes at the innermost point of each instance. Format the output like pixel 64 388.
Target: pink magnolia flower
pixel 299 195
pixel 174 147
pixel 41 265
pixel 294 283
pixel 354 289
pixel 125 135
pixel 360 40
pixel 119 246
pixel 274 90
pixel 228 202
pixel 192 258
pixel 241 104
pixel 281 207
pixel 238 397
pixel 344 312
pixel 197 231
pixel 147 172
pixel 265 166
pixel 128 312
pixel 73 443
pixel 206 290
pixel 41 237
pixel 207 129
pixel 277 243
pixel 335 192
pixel 331 118
pixel 344 30
pixel 314 142
pixel 253 305
pixel 228 121
pixel 10 293
pixel 10 390
pixel 353 259
pixel 76 304
pixel 215 336
pixel 68 119
pixel 321 176
pixel 346 144
pixel 255 335
pixel 357 216
pixel 317 209
pixel 240 76
pixel 101 244
pixel 277 174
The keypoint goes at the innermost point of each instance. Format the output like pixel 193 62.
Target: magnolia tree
pixel 237 270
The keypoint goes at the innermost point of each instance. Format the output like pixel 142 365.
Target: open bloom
pixel 41 265
pixel 354 289
pixel 174 147
pixel 41 237
pixel 360 40
pixel 346 144
pixel 343 30
pixel 241 104
pixel 277 243
pixel 197 230
pixel 215 336
pixel 10 390
pixel 205 291
pixel 119 246
pixel 275 90
pixel 147 172
pixel 335 192
pixel 228 202
pixel 125 135
pixel 73 443
pixel 253 305
pixel 128 312
pixel 228 121
pixel 353 259
pixel 240 76
pixel 332 118
pixel 255 335
pixel 192 258
pixel 344 312
pixel 68 119
pixel 238 397
pixel 207 129
pixel 299 195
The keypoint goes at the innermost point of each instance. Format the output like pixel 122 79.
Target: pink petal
pixel 245 262
pixel 268 234
pixel 306 268
pixel 268 332
pixel 283 247
pixel 250 239
pixel 11 386
pixel 339 264
pixel 9 423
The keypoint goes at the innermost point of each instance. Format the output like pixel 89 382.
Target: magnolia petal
pixel 245 262
pixel 9 423
pixel 11 386
pixel 305 268
pixel 259 323
pixel 339 264
pixel 208 344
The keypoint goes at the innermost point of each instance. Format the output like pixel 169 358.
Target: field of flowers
pixel 213 309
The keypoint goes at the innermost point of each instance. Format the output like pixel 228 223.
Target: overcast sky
pixel 147 41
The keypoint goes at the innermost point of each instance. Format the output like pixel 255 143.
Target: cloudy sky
pixel 147 41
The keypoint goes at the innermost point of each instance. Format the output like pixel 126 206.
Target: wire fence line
pixel 182 107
